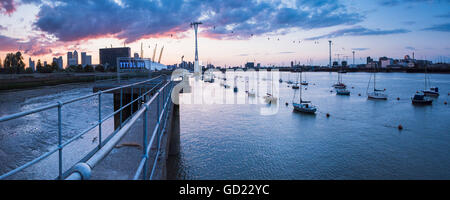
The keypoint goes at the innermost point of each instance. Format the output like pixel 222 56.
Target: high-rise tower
pixel 329 42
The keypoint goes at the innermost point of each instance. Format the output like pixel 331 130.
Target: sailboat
pixel 343 89
pixel 433 91
pixel 304 82
pixel 376 94
pixel 339 84
pixel 296 85
pixel 421 99
pixel 303 106
pixel 235 88
pixel 269 97
pixel 289 78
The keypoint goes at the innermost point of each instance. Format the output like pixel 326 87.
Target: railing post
pixel 59 141
pixel 100 120
pixel 144 150
pixel 132 100
pixel 157 119
pixel 121 96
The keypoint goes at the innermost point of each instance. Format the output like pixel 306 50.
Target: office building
pixel 108 56
pixel 59 62
pixel 85 59
pixel 31 65
pixel 72 58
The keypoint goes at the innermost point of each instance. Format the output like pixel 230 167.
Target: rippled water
pixel 359 140
pixel 26 138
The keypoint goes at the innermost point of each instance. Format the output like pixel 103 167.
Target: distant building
pixel 249 65
pixel 75 56
pixel 72 58
pixel 69 56
pixel 385 62
pixel 59 62
pixel 108 56
pixel 45 63
pixel 85 59
pixel 335 63
pixel 31 65
pixel 258 65
pixel 372 65
pixel 127 63
pixel 369 60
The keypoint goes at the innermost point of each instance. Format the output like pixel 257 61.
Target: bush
pixel 88 68
pixel 29 70
pixel 100 68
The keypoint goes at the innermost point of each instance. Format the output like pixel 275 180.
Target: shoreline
pixel 14 82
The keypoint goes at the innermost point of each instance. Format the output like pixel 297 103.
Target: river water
pixel 244 138
pixel 360 139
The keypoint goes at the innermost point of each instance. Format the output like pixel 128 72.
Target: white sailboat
pixel 296 85
pixel 269 97
pixel 304 82
pixel 303 106
pixel 376 94
pixel 433 91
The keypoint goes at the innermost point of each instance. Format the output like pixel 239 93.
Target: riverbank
pixel 24 81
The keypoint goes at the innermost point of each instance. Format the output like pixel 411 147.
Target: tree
pixel 79 68
pixel 28 70
pixel 54 67
pixel 88 68
pixel 39 65
pixel 14 63
pixel 100 68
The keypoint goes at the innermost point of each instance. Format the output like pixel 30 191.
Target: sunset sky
pixel 233 31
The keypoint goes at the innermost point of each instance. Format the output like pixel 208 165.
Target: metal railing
pixel 165 89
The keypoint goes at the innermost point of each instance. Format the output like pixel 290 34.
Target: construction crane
pixel 162 49
pixel 154 53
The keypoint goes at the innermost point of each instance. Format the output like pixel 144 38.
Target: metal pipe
pixel 99 120
pixel 59 142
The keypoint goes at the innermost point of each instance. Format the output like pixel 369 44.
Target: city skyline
pixel 232 33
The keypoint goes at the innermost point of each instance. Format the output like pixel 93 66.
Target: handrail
pixel 98 124
pixel 82 170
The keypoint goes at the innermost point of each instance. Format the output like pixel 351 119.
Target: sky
pixel 270 32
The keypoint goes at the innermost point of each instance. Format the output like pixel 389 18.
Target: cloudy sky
pixel 233 31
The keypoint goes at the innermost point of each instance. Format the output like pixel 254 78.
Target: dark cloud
pixel 360 49
pixel 286 52
pixel 358 31
pixel 444 15
pixel 408 2
pixel 410 48
pixel 409 22
pixel 7 6
pixel 232 19
pixel 439 27
pixel 31 47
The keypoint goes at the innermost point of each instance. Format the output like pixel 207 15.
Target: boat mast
pixel 374 78
pixel 301 87
pixel 426 78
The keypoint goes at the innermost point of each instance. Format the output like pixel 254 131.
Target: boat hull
pixel 302 109
pixel 421 102
pixel 430 93
pixel 345 93
pixel 375 96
